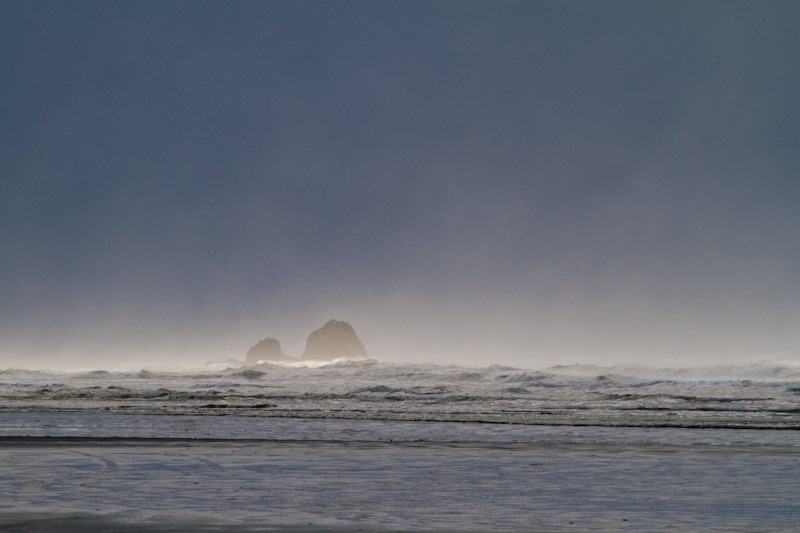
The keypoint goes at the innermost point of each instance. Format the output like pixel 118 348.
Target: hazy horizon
pixel 521 183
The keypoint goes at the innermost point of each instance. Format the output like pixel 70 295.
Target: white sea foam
pixel 752 396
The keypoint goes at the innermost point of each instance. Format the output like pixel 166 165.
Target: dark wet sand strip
pixel 152 484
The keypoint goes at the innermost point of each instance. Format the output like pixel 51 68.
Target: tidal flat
pixel 533 479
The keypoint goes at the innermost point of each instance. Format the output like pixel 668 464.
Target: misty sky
pixel 526 183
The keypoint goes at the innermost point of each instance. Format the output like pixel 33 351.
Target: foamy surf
pixel 752 396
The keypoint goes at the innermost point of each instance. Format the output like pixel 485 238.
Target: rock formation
pixel 334 340
pixel 268 350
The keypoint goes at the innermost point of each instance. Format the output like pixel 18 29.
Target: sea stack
pixel 269 351
pixel 334 340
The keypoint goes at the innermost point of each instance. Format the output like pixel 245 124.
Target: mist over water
pixel 461 331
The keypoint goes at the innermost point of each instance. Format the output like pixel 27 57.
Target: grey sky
pixel 519 182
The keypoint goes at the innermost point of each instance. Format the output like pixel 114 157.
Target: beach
pixel 384 447
pixel 86 483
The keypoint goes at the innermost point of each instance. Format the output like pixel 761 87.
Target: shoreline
pixel 198 427
pixel 56 442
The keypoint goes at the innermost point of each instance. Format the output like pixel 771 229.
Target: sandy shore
pixel 128 484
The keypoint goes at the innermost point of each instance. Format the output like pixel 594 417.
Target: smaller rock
pixel 269 351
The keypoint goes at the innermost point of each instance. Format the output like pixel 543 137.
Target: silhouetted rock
pixel 334 340
pixel 268 350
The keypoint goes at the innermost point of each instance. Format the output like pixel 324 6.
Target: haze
pixel 524 183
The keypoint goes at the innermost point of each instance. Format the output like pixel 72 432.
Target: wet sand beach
pixel 178 484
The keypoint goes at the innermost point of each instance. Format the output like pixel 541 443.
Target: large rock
pixel 334 340
pixel 268 350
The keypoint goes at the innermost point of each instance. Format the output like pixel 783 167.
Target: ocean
pixel 730 397
pixel 374 445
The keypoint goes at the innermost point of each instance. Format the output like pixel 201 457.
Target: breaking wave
pixel 753 396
